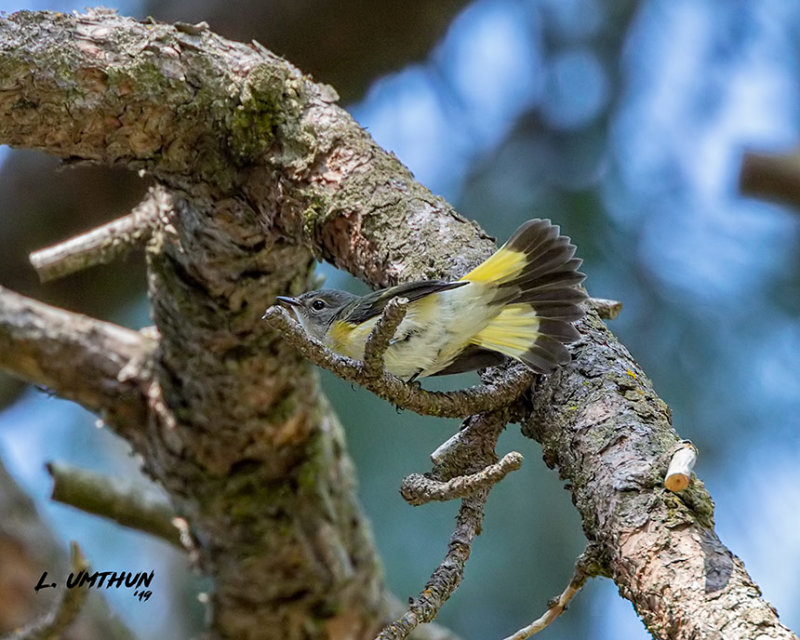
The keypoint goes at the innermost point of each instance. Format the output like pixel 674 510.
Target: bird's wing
pixel 373 304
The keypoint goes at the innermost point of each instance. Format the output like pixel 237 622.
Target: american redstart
pixel 521 302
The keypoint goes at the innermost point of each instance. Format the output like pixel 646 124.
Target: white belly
pixel 436 329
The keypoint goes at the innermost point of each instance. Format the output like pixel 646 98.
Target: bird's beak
pixel 287 302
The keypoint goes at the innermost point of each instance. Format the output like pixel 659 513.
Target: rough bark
pixel 602 425
pixel 265 173
pixel 345 44
pixel 255 461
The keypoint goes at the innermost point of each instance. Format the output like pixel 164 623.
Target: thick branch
pixel 602 424
pixel 75 356
pixel 231 129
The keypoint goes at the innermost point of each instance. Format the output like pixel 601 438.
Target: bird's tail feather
pixel 536 278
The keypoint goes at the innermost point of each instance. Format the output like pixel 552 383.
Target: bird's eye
pixel 318 305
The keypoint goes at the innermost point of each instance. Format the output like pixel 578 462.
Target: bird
pixel 520 303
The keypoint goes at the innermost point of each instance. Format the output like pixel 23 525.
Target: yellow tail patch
pixel 512 332
pixel 504 265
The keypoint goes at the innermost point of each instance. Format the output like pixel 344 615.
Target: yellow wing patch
pixel 512 332
pixel 501 267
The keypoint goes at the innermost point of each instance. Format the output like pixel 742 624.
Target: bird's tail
pixel 536 282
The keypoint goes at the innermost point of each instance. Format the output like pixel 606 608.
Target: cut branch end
pixel 679 473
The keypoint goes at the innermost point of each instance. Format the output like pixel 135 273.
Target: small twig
pixel 679 473
pixel 418 489
pixel 446 404
pixel 476 434
pixel 605 308
pixel 382 334
pixel 110 497
pixel 100 245
pixel 480 437
pixel 448 574
pixel 585 568
pixel 430 631
pixel 55 622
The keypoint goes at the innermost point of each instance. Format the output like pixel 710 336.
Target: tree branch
pixel 476 455
pixel 585 568
pixel 28 548
pixel 602 424
pixel 444 404
pixel 447 575
pixel 56 622
pixel 75 356
pixel 418 489
pixel 267 173
pixel 240 423
pixel 100 245
pixel 115 498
